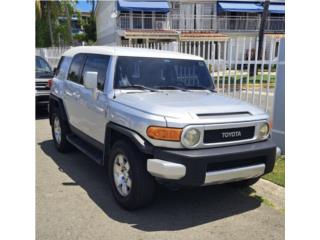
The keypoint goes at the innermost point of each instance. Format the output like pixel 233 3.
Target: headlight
pixel 264 131
pixel 190 137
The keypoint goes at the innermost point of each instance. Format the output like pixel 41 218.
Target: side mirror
pixel 90 80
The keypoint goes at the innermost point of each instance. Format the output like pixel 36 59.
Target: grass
pixel 245 79
pixel 277 176
pixel 252 193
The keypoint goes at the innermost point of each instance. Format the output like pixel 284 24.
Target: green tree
pixel 69 10
pixel 50 31
pixel 90 25
pixel 47 13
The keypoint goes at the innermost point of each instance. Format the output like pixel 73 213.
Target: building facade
pixel 127 22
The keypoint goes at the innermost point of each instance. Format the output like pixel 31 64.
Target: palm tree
pixel 93 5
pixel 68 7
pixel 50 10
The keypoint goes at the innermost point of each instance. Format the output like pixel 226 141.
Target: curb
pixel 272 192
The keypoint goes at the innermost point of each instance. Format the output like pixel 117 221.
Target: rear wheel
pixel 59 133
pixel 132 186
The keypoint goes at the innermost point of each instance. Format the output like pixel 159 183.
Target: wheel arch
pixel 115 132
pixel 56 104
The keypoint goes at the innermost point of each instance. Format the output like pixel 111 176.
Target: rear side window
pixel 74 74
pixel 99 64
pixel 62 69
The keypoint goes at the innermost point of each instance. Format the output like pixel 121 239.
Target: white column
pixel 278 124
pixel 153 20
pixel 131 20
pixel 142 19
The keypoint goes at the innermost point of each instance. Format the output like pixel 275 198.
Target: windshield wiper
pixel 172 87
pixel 202 88
pixel 136 86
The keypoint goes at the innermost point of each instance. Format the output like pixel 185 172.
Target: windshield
pixel 161 73
pixel 42 68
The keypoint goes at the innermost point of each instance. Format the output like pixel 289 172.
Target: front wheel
pixel 132 186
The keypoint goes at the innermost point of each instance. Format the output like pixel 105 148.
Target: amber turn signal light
pixel 164 133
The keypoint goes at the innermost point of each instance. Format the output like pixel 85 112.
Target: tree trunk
pixel 92 9
pixel 69 23
pixel 50 25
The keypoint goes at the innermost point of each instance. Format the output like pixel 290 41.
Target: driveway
pixel 74 201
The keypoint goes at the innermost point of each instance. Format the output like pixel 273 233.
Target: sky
pixel 83 6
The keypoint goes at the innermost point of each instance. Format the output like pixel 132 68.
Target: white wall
pixel 106 26
pixel 186 12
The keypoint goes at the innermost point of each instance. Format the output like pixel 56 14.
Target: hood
pixel 178 104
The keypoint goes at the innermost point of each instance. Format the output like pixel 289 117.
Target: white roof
pixel 128 51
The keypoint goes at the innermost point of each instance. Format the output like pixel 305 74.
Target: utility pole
pixel 262 26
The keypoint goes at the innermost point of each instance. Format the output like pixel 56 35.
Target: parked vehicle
pixel 44 75
pixel 154 116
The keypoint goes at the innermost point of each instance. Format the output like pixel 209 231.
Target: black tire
pixel 143 184
pixel 63 145
pixel 246 183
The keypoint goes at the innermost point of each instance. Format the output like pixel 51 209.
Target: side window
pixel 75 68
pixel 62 69
pixel 99 64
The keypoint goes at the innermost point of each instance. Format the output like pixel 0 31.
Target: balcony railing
pixel 204 22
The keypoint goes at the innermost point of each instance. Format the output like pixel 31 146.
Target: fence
pixel 52 55
pixel 234 64
pixel 199 22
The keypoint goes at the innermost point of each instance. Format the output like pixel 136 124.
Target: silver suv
pixel 154 116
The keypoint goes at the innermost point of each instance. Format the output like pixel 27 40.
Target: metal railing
pixel 234 64
pixel 203 22
pixel 235 67
pixel 52 54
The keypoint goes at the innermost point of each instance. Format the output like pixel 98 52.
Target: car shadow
pixel 171 210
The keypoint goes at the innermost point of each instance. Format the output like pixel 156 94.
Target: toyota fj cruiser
pixel 154 116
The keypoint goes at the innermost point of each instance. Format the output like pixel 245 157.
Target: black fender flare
pixel 56 103
pixel 142 144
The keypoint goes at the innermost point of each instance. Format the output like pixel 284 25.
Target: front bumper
pixel 214 165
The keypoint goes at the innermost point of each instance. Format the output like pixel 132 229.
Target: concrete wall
pixel 106 26
pixel 278 129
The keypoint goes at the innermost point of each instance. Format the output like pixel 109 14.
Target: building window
pixel 137 20
pixel 147 20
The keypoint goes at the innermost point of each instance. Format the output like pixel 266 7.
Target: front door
pixel 72 89
pixel 94 104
